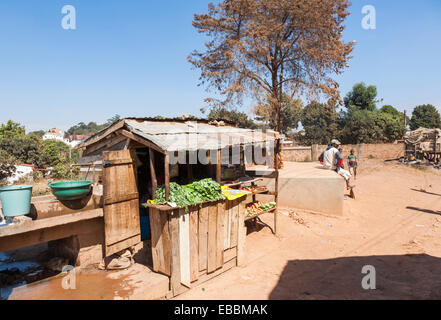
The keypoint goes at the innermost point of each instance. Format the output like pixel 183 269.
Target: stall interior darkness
pixel 185 174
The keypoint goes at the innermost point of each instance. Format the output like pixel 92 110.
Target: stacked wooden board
pixel 192 247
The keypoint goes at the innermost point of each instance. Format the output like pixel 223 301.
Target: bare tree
pixel 267 48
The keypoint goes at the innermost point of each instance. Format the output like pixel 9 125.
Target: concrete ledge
pixel 33 232
pixel 308 186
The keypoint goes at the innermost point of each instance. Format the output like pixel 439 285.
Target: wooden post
pixel 218 167
pixel 167 177
pixel 276 183
pixel 153 172
pixel 241 237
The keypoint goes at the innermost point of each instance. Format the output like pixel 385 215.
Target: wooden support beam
pixel 106 143
pixel 219 167
pixel 276 182
pixel 167 177
pixel 126 145
pixel 120 124
pixel 153 172
pixel 142 141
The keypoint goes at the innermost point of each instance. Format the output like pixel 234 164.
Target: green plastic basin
pixel 70 190
pixel 16 200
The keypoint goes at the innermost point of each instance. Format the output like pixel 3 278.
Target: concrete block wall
pixel 382 151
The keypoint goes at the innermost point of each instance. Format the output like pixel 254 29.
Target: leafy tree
pixel 11 129
pixel 391 110
pixel 319 123
pixel 425 116
pixel 7 166
pixel 360 126
pixel 362 97
pixel 39 133
pixel 239 118
pixel 55 152
pixel 82 128
pixel 92 127
pixel 291 109
pixel 112 120
pixel 266 48
pixel 24 148
pixel 392 126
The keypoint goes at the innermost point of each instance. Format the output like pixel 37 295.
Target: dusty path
pixel 393 225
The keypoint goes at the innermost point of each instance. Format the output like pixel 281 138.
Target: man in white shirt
pixel 332 159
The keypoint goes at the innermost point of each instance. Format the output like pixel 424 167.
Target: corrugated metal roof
pixel 193 135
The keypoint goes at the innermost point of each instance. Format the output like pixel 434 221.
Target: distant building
pixel 56 134
pixel 75 140
pixel 21 171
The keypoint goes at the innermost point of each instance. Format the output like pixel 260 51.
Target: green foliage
pixel 11 129
pixel 392 126
pixel 362 97
pixel 319 123
pixel 39 133
pixel 7 165
pixel 16 147
pixel 55 152
pixel 360 126
pixel 190 194
pixel 82 128
pixel 112 120
pixel 24 148
pixel 425 116
pixel 239 118
pixel 63 171
pixel 92 127
pixel 365 126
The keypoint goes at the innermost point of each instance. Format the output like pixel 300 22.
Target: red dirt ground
pixel 393 225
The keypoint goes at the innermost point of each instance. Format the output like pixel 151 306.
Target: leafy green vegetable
pixel 190 194
pixel 268 206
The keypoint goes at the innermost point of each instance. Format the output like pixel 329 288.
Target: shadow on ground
pixel 397 277
pixel 424 210
pixel 426 192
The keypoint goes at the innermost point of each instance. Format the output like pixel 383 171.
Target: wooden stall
pixel 189 245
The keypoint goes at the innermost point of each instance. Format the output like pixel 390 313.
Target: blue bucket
pixel 16 200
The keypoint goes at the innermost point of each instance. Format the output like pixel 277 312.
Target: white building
pixel 21 171
pixel 56 134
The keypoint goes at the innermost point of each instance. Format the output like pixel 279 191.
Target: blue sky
pixel 130 58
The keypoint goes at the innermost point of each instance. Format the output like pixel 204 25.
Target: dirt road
pixel 394 225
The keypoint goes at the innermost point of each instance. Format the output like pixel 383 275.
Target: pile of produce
pixel 258 207
pixel 255 189
pixel 190 194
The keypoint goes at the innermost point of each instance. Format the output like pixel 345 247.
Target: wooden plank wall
pixel 189 246
pixel 121 204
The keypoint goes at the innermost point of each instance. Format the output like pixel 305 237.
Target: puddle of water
pixel 88 286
